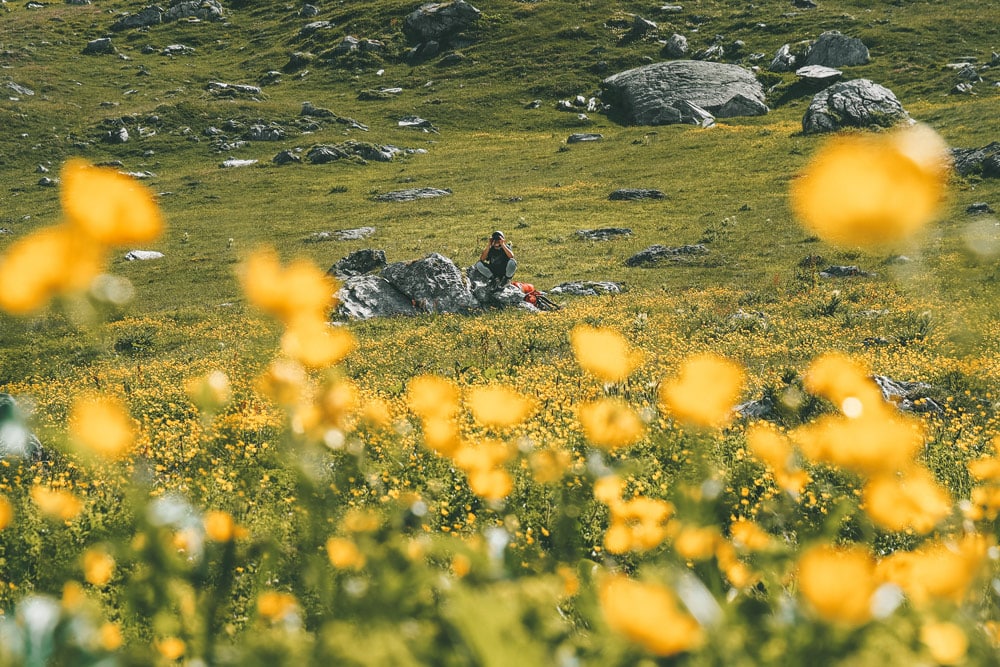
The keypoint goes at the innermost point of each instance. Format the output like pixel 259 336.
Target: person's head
pixel 497 237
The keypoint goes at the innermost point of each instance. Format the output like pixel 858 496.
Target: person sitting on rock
pixel 497 263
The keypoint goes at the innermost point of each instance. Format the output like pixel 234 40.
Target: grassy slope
pixel 509 167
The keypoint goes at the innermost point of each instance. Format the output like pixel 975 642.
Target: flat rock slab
pixel 978 208
pixel 412 194
pixel 649 95
pixel 635 194
pixel 603 234
pixel 232 163
pixel 142 255
pixel 438 21
pixel 845 272
pixel 582 137
pixel 588 288
pixel 818 74
pixel 340 235
pixel 858 103
pixel 656 254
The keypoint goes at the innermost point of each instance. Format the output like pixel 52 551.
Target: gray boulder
pixel 412 194
pixel 439 21
pixel 979 208
pixel 656 254
pixel 582 137
pixel 668 92
pixel 434 284
pixel 588 288
pixel 832 49
pixel 984 161
pixel 368 296
pixel 349 44
pixel 358 263
pixel 233 89
pixel 259 132
pixel 101 46
pixel 142 255
pixel 148 16
pixel 16 440
pixel 784 60
pixel 676 46
pixel 286 157
pixel 314 27
pixel 635 194
pixel 118 135
pixel 818 74
pixel 603 234
pixel 206 10
pixel 858 103
pixel 907 396
pixel 308 11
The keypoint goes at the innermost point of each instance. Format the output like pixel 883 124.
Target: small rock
pixel 412 194
pixel 676 46
pixel 314 27
pixel 358 263
pixel 417 123
pixel 177 50
pixel 101 46
pixel 658 253
pixel 533 104
pixel 341 235
pixel 818 74
pixel 286 157
pixel 47 182
pixel 19 89
pixel 142 255
pixel 963 88
pixel 978 208
pixel 671 9
pixel 580 137
pixel 234 162
pixel 603 234
pixel 117 136
pixel 635 194
pixel 308 11
pixel 845 272
pixel 588 288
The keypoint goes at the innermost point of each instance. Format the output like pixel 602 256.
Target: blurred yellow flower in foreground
pixel 610 423
pixel 648 615
pixel 865 189
pixel 110 207
pixel 98 567
pixel 881 441
pixel 914 501
pixel 837 378
pixel 942 570
pixel 209 392
pixel 946 642
pixel 276 606
pixel 432 396
pixel 604 353
pixel 47 262
pixel 774 449
pixel 102 425
pixel 56 503
pixel 838 583
pixel 6 513
pixel 697 542
pixel 219 526
pixel 344 554
pixel 298 291
pixel 705 390
pixel 749 536
pixel 637 525
pixel 111 637
pixel 171 648
pixel 483 463
pixel 316 343
pixel 498 406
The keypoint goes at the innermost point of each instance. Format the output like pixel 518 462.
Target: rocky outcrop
pixel 858 103
pixel 668 92
pixel 588 288
pixel 603 234
pixel 412 194
pixel 365 297
pixel 635 194
pixel 434 284
pixel 984 161
pixel 358 263
pixel 832 49
pixel 439 22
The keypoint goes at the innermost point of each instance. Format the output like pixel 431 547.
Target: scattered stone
pixel 635 194
pixel 205 10
pixel 582 137
pixel 358 263
pixel 47 182
pixel 818 74
pixel 671 9
pixel 234 162
pixel 142 255
pixel 833 49
pixel 101 46
pixel 984 161
pixel 650 95
pixel 963 88
pixel 412 194
pixel 784 60
pixel 41 169
pixel 372 46
pixel 640 27
pixel 259 132
pixel 19 89
pixel 978 208
pixel 417 123
pixel 349 44
pixel 968 72
pixel 811 261
pixel 340 235
pixel 603 234
pixel 451 59
pixel 298 60
pixel 16 440
pixel 907 396
pixel 356 150
pixel 118 135
pixel 233 89
pixel 439 21
pixel 588 288
pixel 845 272
pixel 423 51
pixel 658 253
pixel 286 157
pixel 138 175
pixel 270 78
pixel 308 11
pixel 858 103
pixel 676 46
pixel 177 50
pixel 144 18
pixel 805 4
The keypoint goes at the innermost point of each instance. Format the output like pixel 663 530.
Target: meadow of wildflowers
pixel 583 492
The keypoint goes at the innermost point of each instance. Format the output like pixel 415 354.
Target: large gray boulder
pixel 858 103
pixel 148 16
pixel 984 161
pixel 663 93
pixel 434 284
pixel 368 296
pixel 437 21
pixel 358 263
pixel 206 10
pixel 832 49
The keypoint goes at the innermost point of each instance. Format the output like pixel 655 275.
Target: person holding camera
pixel 497 261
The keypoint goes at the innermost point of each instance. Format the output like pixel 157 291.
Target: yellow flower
pixel 108 206
pixel 376 412
pixel 938 570
pixel 748 535
pixel 498 406
pixel 6 513
pixel 316 343
pixel 110 637
pixel 441 434
pixel 838 583
pixel 775 450
pixel 432 396
pixel 300 291
pixel 171 648
pixel 873 189
pixel 837 377
pixel 361 521
pixel 549 465
pixel 696 542
pixel 637 525
pixel 47 262
pixel 879 441
pixel 914 501
pixel 705 391
pixel 604 353
pixel 98 567
pixel 337 401
pixel 461 565
pixel 209 392
pixel 219 526
pixel 56 503
pixel 648 615
pixel 946 642
pixel 73 596
pixel 610 423
pixel 344 554
pixel 102 425
pixel 284 382
pixel 491 484
pixel 275 606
